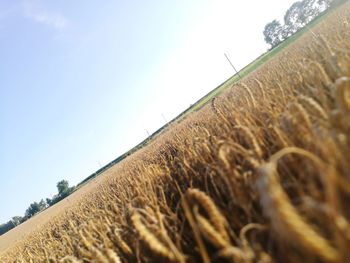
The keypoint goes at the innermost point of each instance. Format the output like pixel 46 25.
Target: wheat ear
pixel 285 217
pixel 70 259
pixel 151 239
pixel 342 93
pixel 215 216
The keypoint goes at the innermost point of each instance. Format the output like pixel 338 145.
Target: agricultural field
pixel 258 174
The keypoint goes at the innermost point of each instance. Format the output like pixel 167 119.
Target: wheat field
pixel 259 174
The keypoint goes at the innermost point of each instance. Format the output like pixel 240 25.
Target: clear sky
pixel 81 81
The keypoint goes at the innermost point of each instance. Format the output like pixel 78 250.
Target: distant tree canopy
pixel 273 33
pixel 63 191
pixel 35 207
pixel 297 16
pixel 62 187
pixel 15 221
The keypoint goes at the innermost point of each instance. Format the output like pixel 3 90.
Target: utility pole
pixel 164 118
pixel 147 133
pixel 233 66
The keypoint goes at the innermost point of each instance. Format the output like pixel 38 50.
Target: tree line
pixel 63 191
pixel 297 16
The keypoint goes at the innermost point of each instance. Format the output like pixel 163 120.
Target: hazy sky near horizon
pixel 82 81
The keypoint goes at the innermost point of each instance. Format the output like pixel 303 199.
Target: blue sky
pixel 82 81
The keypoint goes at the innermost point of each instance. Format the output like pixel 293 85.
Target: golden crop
pixel 260 174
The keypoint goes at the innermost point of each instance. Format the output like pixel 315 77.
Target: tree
pixel 63 187
pixel 303 12
pixel 32 209
pixel 313 8
pixel 63 191
pixel 297 16
pixel 42 204
pixel 35 208
pixel 48 201
pixel 6 227
pixel 273 33
pixel 16 220
pixel 294 19
pixel 325 3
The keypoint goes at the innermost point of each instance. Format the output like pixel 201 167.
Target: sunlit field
pixel 261 173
